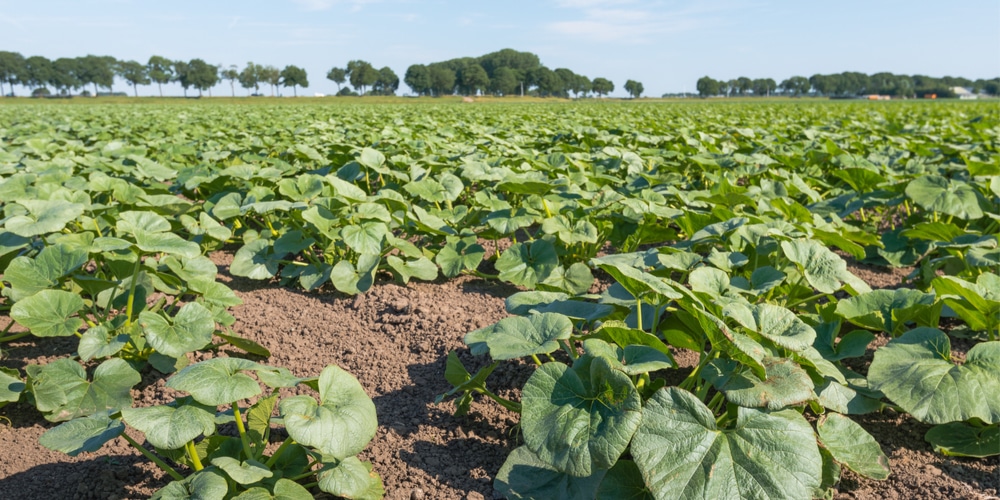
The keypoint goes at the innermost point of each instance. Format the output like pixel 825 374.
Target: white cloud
pixel 616 20
pixel 318 5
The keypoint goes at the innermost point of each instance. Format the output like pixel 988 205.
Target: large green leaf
pixel 49 313
pixel 207 484
pixel 255 261
pixel 351 478
pixel 579 421
pixel 978 304
pixel 890 310
pixel 191 329
pixel 248 472
pixel 99 342
pixel 683 454
pixel 518 337
pixel 959 439
pixel 365 238
pixel 823 269
pixel 353 280
pixel 526 264
pixel 525 476
pixel 341 424
pixel 86 434
pixel 949 196
pixel 29 276
pixel 43 217
pixel 217 381
pixel 11 385
pixel 786 383
pixel 170 427
pixel 62 391
pixel 284 489
pixel 852 446
pixel 917 373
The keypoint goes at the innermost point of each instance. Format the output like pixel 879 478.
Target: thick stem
pixel 131 291
pixel 193 455
pixel 278 452
pixel 155 459
pixel 536 360
pixel 15 336
pixel 638 313
pixel 243 431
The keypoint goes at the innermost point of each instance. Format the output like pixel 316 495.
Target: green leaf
pixel 579 422
pixel 823 269
pixel 783 327
pixel 852 446
pixel 191 329
pixel 170 427
pixel 890 310
pixel 949 196
pixel 518 337
pixel 168 243
pixel 681 452
pixel 458 255
pixel 207 484
pixel 576 280
pixel 98 342
pixel 217 381
pixel 786 383
pixel 640 283
pixel 351 478
pixel 43 217
pixel 347 279
pixel 341 425
pixel 978 304
pixel 248 472
pixel 284 489
pixel 29 276
pixel 49 313
pixel 11 385
pixel 526 476
pixel 624 482
pixel 959 439
pixel 87 434
pixel 255 261
pixel 421 268
pixel 365 238
pixel 62 391
pixel 916 372
pixel 526 264
pixel 632 359
pixel 259 417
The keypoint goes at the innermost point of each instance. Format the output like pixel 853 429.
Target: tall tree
pixel 707 86
pixel 294 76
pixel 338 76
pixel 182 75
pixel 11 69
pixel 387 82
pixel 418 78
pixel 762 87
pixel 633 88
pixel 567 77
pixel 270 75
pixel 250 77
pixel 37 72
pixel 98 71
pixel 473 79
pixel 202 76
pixel 796 85
pixel 603 86
pixel 65 74
pixel 232 74
pixel 505 81
pixel 547 82
pixel 135 74
pixel 581 85
pixel 442 80
pixel 362 75
pixel 160 70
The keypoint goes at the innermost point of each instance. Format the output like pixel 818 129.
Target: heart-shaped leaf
pixel 916 372
pixel 170 427
pixel 351 478
pixel 63 392
pixel 248 472
pixel 890 310
pixel 526 264
pixel 217 381
pixel 959 439
pixel 191 329
pixel 207 484
pixel 49 313
pixel 343 422
pixel 43 217
pixel 681 452
pixel 579 422
pixel 518 337
pixel 525 476
pixel 949 196
pixel 786 383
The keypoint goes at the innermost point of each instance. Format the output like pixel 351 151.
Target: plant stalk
pixel 278 452
pixel 243 431
pixel 155 459
pixel 193 454
pixel 131 291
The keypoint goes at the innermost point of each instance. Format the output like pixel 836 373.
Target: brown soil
pixel 395 339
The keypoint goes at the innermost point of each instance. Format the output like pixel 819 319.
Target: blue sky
pixel 666 45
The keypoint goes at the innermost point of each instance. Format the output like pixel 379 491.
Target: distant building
pixel 963 93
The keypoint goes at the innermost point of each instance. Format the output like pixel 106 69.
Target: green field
pixel 637 232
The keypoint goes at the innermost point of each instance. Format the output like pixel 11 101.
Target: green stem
pixel 155 459
pixel 548 213
pixel 536 360
pixel 15 336
pixel 243 431
pixel 638 313
pixel 478 274
pixel 278 452
pixel 193 454
pixel 570 350
pixel 656 320
pixel 310 485
pixel 131 291
pixel 715 402
pixel 807 299
pixel 692 377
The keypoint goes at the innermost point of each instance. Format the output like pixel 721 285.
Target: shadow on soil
pixel 110 477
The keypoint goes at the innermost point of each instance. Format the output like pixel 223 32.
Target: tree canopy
pixel 294 76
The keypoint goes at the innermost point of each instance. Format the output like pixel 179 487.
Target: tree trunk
pixel 135 90
pixel 161 88
pixel 233 87
pixel 295 90
pixel 95 90
pixel 210 92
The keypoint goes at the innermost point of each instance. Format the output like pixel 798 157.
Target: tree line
pixel 68 74
pixel 846 84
